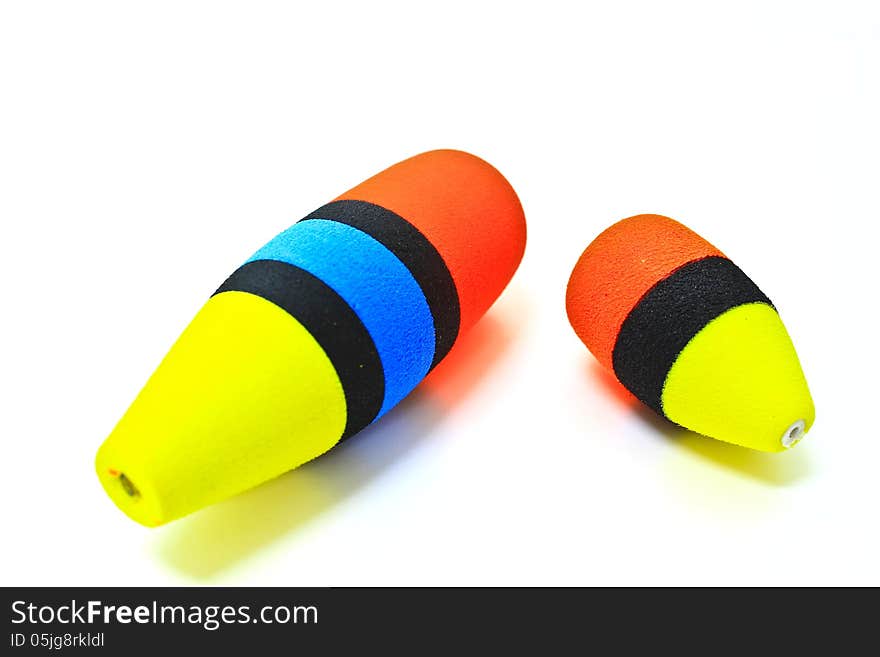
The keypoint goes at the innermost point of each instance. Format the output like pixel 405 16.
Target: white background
pixel 146 150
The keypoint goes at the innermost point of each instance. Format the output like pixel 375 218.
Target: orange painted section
pixel 467 210
pixel 618 268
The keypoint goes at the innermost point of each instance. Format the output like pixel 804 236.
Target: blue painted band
pixel 376 285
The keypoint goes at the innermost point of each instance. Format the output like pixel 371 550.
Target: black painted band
pixel 669 315
pixel 331 322
pixel 416 252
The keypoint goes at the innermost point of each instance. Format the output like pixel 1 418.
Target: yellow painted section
pixel 740 380
pixel 245 394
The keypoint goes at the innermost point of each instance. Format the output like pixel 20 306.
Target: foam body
pixel 689 334
pixel 318 334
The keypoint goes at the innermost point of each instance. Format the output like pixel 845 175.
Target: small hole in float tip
pixel 126 484
pixel 793 434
